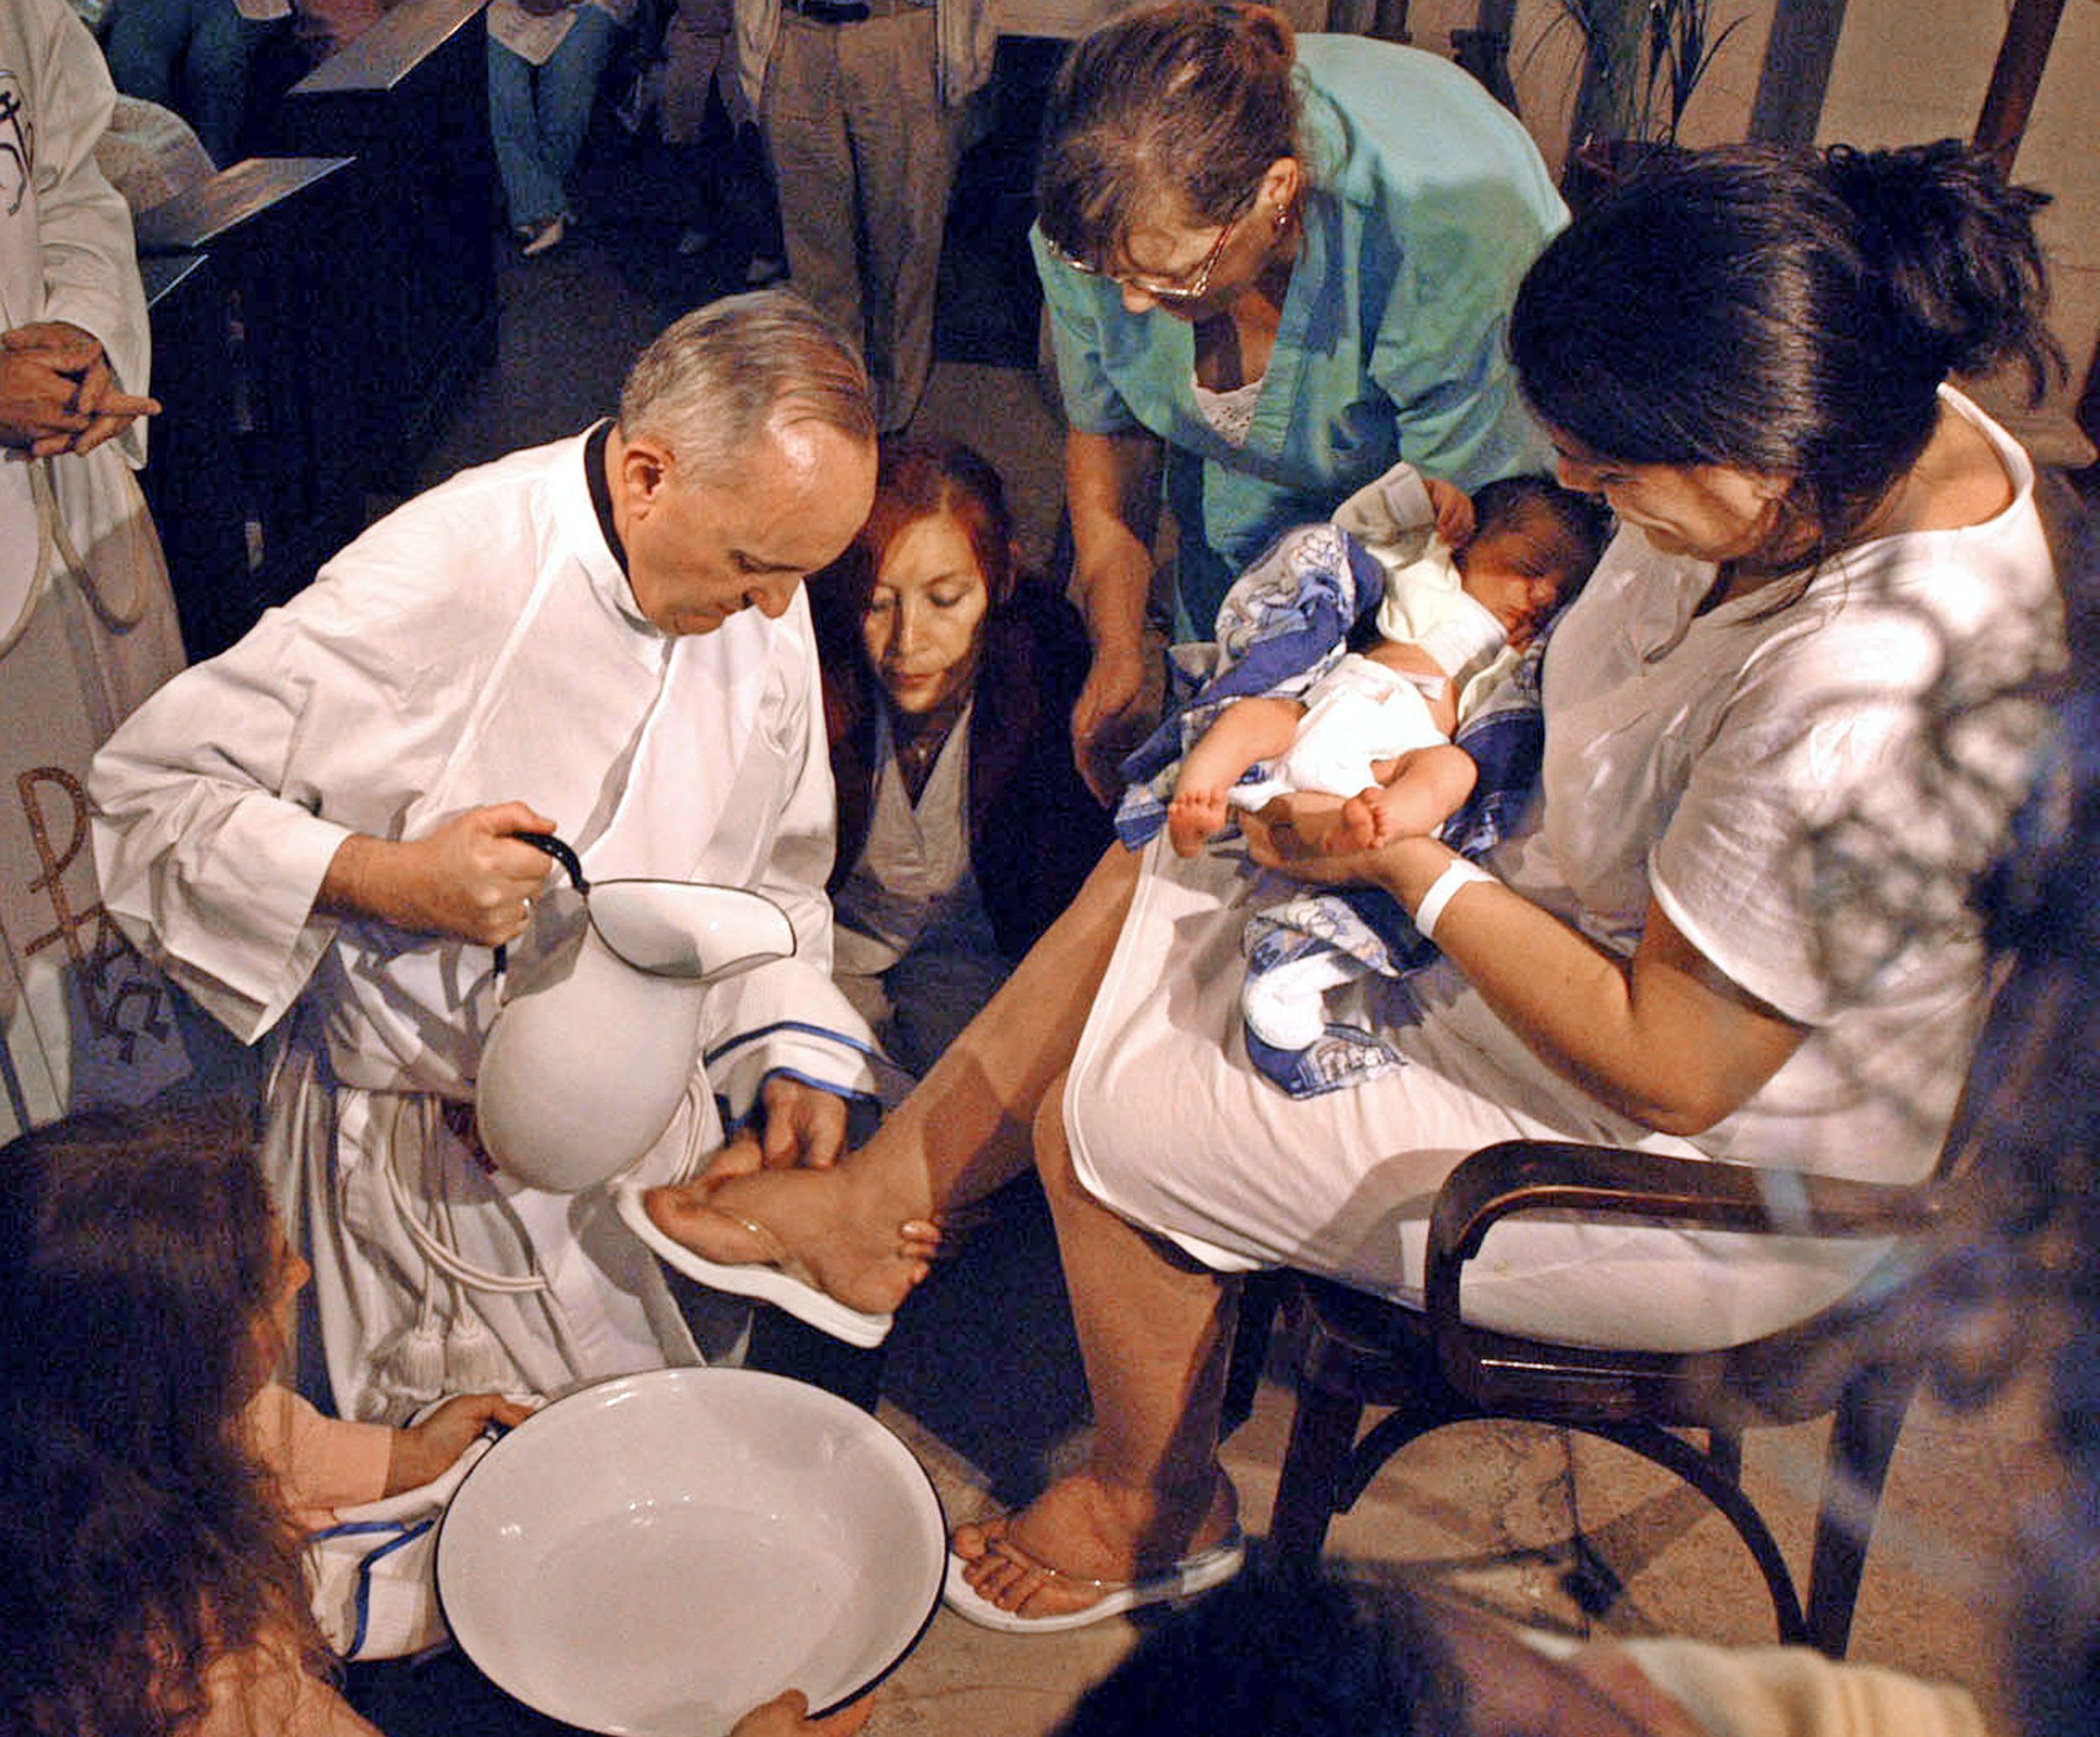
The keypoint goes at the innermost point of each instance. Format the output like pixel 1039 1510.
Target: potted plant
pixel 1642 60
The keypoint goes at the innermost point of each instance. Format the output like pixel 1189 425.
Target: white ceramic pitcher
pixel 594 1047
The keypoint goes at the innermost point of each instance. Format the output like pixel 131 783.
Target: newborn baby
pixel 1469 585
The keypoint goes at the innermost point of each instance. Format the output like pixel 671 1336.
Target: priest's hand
pixel 793 1125
pixel 805 1125
pixel 469 877
pixel 788 1716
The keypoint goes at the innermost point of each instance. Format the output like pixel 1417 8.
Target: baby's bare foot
pixel 1363 824
pixel 1193 816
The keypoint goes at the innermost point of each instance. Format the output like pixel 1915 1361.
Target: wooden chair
pixel 1360 1351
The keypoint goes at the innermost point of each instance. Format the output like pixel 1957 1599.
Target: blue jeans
pixel 207 43
pixel 538 115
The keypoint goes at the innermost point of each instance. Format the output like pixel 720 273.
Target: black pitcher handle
pixel 562 854
pixel 559 851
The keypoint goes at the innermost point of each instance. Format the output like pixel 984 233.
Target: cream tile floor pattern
pixel 1502 1514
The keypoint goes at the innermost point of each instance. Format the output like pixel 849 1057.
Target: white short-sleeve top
pixel 1807 791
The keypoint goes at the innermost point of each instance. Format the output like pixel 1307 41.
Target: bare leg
pixel 1154 1329
pixel 961 1132
pixel 1244 732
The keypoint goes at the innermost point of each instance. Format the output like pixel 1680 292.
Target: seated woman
pixel 1786 723
pixel 963 829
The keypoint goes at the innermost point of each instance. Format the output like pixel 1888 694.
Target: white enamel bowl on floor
pixel 656 1555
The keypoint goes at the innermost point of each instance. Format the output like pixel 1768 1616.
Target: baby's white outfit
pixel 1362 712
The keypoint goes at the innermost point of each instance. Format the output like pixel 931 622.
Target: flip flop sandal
pixel 781 1279
pixel 1191 1575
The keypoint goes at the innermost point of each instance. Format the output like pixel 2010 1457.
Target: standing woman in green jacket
pixel 1278 265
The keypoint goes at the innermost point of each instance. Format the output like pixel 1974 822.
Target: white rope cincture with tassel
pixel 410 1367
pixel 56 553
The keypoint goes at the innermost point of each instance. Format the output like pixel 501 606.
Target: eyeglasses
pixel 1189 289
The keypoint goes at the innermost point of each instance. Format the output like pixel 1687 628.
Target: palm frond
pixel 1644 60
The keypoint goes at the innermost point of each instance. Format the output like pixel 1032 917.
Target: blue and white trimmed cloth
pixel 1285 624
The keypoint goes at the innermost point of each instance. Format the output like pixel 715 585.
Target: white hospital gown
pixel 1806 791
pixel 480 645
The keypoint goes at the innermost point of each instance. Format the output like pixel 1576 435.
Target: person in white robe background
pixel 87 622
pixel 604 637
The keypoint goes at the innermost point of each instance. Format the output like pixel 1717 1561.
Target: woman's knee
pixel 1068 1105
pixel 1103 898
pixel 1113 876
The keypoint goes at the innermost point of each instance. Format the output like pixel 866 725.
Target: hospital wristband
pixel 1457 873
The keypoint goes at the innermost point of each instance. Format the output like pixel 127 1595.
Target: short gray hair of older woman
pixel 720 378
pixel 1184 102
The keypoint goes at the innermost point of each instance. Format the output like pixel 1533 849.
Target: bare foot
pixel 1364 823
pixel 1193 817
pixel 857 1251
pixel 1086 1531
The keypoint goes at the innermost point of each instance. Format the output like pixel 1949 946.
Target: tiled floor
pixel 1503 1514
pixel 1498 1514
pixel 982 1377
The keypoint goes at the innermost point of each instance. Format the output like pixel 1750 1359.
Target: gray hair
pixel 1187 103
pixel 724 376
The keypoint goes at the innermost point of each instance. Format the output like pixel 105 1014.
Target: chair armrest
pixel 1525 1176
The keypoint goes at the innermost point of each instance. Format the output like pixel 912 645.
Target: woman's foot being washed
pixel 1082 1551
pixel 816 1224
